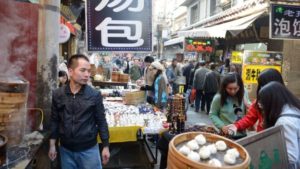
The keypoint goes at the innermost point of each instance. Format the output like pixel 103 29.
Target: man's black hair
pixel 149 59
pixel 72 62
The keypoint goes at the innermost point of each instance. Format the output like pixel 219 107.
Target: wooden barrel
pixel 13 99
pixel 115 76
pixel 124 78
pixel 176 160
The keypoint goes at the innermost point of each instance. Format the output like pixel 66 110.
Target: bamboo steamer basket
pixel 13 99
pixel 124 78
pixel 115 76
pixel 176 160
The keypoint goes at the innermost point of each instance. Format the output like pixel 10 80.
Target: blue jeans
pixel 87 159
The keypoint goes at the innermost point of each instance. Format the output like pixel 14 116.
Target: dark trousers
pixel 199 98
pixel 208 99
pixel 163 146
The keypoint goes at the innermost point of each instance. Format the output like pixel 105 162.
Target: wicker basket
pixel 176 160
pixel 134 98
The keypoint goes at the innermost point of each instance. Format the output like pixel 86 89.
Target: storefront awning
pixel 174 41
pixel 219 31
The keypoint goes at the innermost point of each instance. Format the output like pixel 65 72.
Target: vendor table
pixel 122 134
pixel 109 84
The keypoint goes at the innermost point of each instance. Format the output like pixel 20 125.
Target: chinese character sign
pixel 198 45
pixel 250 73
pixel 285 22
pixel 119 25
pixel 237 57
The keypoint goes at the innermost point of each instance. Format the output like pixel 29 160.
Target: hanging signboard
pixel 262 58
pixel 119 25
pixel 237 57
pixel 250 73
pixel 198 45
pixel 64 33
pixel 284 21
pixel 257 61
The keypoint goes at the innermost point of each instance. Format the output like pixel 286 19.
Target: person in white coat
pixel 281 107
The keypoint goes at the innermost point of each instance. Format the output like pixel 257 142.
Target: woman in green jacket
pixel 229 105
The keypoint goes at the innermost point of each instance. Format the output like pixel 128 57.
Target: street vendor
pixel 77 116
pixel 281 107
pixel 229 105
pixel 160 85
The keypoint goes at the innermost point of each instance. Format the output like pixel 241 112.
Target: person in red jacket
pixel 254 114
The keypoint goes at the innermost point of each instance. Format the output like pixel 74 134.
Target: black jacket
pixel 211 82
pixel 187 72
pixel 77 119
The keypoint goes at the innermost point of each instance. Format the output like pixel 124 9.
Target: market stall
pixel 131 120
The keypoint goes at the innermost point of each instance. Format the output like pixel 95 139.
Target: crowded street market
pixel 149 84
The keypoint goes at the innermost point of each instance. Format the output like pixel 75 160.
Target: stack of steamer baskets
pixel 13 99
pixel 181 155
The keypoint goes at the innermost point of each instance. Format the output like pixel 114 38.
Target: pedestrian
pixel 186 73
pixel 148 79
pixel 77 116
pixel 281 107
pixel 211 85
pixel 173 73
pixel 191 80
pixel 160 86
pixel 63 78
pixel 228 104
pixel 135 71
pixel 254 114
pixel 198 85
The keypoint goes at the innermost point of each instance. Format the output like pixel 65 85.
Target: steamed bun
pixel 204 152
pixel 215 163
pixel 212 148
pixel 184 150
pixel 221 145
pixel 201 140
pixel 229 159
pixel 193 145
pixel 234 152
pixel 194 156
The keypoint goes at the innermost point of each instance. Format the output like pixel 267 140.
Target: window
pixel 213 7
pixel 194 14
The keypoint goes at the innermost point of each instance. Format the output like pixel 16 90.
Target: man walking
pixel 187 72
pixel 77 116
pixel 173 72
pixel 211 85
pixel 198 85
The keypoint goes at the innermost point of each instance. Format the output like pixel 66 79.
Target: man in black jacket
pixel 77 117
pixel 211 85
